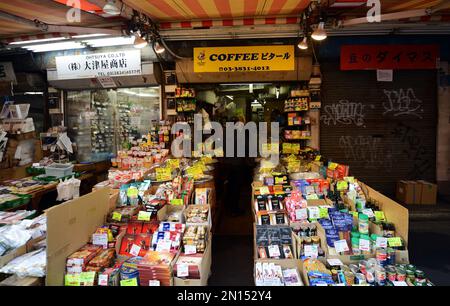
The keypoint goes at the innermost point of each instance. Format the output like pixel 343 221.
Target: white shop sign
pixel 99 65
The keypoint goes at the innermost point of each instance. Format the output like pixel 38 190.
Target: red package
pixel 134 228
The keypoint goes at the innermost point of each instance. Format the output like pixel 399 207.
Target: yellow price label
pixel 342 185
pixel 173 163
pixel 72 280
pixel 264 190
pixel 144 216
pixel 117 216
pixel 287 148
pixel 379 216
pixel 194 171
pixel 132 282
pixel 318 157
pixel 332 166
pixel 163 174
pixel 87 278
pixel 395 242
pixel 349 179
pixel 178 202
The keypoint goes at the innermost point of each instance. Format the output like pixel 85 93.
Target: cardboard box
pixel 70 226
pixel 208 222
pixel 166 210
pixel 16 281
pixel 205 270
pixel 405 192
pixel 285 264
pixel 428 193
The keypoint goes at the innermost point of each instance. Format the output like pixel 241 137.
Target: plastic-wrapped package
pixel 29 265
pixel 14 236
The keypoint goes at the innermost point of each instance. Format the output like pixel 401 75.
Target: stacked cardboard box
pixel 416 192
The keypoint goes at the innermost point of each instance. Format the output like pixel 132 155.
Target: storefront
pixel 323 136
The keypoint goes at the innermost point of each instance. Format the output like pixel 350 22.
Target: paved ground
pixel 429 249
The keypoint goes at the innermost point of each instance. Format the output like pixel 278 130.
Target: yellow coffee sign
pixel 244 59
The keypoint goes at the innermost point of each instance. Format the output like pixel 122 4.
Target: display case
pixel 100 122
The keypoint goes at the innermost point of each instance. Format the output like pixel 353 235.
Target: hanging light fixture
pixel 320 33
pixel 303 45
pixel 159 48
pixel 140 42
pixel 111 8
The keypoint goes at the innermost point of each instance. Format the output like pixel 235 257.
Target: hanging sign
pixel 99 65
pixel 244 59
pixel 388 57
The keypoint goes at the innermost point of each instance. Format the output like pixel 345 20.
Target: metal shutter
pixel 385 131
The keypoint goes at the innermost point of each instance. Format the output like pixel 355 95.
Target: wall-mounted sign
pixel 396 57
pixel 244 59
pixel 110 64
pixel 7 72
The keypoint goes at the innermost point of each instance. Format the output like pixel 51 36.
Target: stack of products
pixel 297 104
pixel 274 242
pixel 271 274
pixel 155 267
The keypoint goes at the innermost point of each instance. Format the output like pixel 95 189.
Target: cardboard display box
pixel 416 192
pixel 69 227
pixel 285 264
pixel 166 210
pixel 205 270
pixel 16 281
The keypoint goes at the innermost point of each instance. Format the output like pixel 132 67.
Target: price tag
pixel 103 280
pixel 342 185
pixel 364 245
pixel 314 213
pixel 368 212
pixel 323 212
pixel 341 246
pixel 332 166
pixel 382 242
pixel 87 278
pixel 182 270
pixel 379 216
pixel 190 249
pixel 274 251
pixel 301 214
pixel 264 190
pixel 132 192
pixel 132 282
pixel 144 216
pixel 135 249
pixel 311 251
pixel 335 262
pixel 117 216
pixel 318 157
pixel 395 242
pixel 100 239
pixel 163 174
pixel 350 179
pixel 173 163
pixel 177 202
pixel 72 280
pixel 321 285
pixel 154 283
pixel 163 246
pixel 400 284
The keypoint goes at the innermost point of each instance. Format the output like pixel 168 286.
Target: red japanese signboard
pixel 397 57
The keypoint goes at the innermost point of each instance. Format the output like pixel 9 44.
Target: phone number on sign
pixel 234 69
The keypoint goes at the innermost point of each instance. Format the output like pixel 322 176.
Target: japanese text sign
pixel 111 64
pixel 244 59
pixel 396 57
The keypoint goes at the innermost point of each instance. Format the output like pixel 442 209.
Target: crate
pixel 59 170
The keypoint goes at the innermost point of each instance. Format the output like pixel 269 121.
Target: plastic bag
pixel 32 264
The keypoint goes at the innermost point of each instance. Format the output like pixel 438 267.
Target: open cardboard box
pixel 285 264
pixel 207 223
pixel 294 244
pixel 205 270
pixel 166 210
pixel 69 227
pixel 22 250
